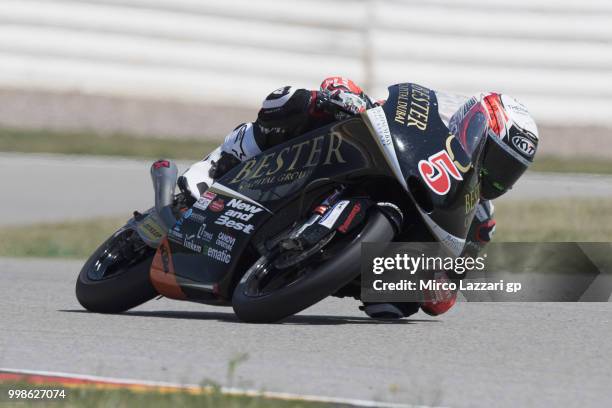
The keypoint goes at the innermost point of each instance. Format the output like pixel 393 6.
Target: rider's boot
pixel 198 177
pixel 390 311
pixel 435 308
pixel 439 301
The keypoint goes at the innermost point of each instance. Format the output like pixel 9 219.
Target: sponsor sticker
pixel 231 223
pixel 203 234
pixel 218 205
pixel 237 211
pixel 524 145
pixel 177 227
pixel 330 218
pixel 191 215
pixel 520 115
pixel 347 223
pixel 412 107
pixel 197 217
pixel 188 243
pixel 243 206
pixel 151 229
pixel 238 214
pixel 225 241
pixel 219 255
pixel 209 195
pixel 205 200
pixel 437 171
pixel 289 163
pixel 471 199
pixel 380 125
pixel 175 236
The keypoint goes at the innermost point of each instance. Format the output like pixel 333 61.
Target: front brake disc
pixel 291 258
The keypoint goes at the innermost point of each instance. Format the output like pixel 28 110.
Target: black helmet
pixel 510 139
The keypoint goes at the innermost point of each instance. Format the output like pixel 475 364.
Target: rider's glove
pixel 482 229
pixel 225 163
pixel 340 104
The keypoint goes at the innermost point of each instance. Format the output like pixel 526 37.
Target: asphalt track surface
pixel 478 354
pixel 40 188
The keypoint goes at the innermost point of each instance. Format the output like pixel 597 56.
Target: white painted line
pixel 225 390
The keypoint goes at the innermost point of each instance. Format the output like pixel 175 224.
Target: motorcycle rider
pixel 285 113
pixel 289 112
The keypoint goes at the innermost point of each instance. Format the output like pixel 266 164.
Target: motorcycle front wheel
pixel 116 276
pixel 261 299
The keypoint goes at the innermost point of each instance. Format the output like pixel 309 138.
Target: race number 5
pixel 436 170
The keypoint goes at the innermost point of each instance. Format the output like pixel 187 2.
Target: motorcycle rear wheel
pixel 111 282
pixel 253 304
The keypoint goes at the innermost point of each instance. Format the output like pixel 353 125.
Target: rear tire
pixel 128 287
pixel 317 285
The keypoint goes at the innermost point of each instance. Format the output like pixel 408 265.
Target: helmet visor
pixel 471 130
pixel 475 132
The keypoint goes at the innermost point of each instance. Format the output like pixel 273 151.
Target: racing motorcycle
pixel 282 231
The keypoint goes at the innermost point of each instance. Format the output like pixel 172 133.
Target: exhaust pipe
pixel 164 174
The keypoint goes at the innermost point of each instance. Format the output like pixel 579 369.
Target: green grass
pixel 566 220
pixel 113 145
pixel 87 397
pixel 87 143
pixel 526 221
pixel 572 165
pixel 71 239
pixel 209 394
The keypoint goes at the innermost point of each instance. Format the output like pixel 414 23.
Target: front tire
pixel 318 284
pixel 112 282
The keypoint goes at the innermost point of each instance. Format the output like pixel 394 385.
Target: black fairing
pixel 418 133
pixel 283 182
pixel 281 185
